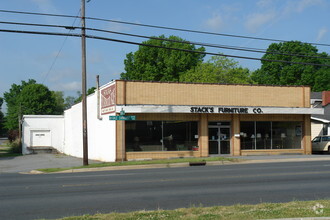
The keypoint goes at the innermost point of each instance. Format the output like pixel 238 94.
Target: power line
pixel 60 50
pixel 255 50
pixel 38 13
pixel 199 32
pixel 41 33
pixel 40 25
pixel 201 52
pixel 160 27
pixel 155 46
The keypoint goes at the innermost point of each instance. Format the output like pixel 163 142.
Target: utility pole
pixel 83 81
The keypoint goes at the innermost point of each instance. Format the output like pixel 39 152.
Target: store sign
pixel 226 110
pixel 108 99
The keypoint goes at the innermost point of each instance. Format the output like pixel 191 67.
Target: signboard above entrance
pixel 226 110
pixel 108 99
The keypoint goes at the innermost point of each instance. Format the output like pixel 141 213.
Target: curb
pixel 132 167
pixel 174 165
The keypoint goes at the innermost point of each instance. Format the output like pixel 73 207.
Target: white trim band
pixel 216 109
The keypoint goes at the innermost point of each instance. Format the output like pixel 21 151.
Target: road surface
pixel 60 195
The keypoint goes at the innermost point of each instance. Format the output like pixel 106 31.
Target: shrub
pixel 15 146
pixel 12 135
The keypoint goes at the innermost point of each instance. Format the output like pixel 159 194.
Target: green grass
pixel 295 209
pixel 7 151
pixel 143 162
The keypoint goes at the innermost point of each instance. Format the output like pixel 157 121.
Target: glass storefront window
pixel 247 135
pixel 160 135
pixel 270 135
pixel 263 135
pixel 286 135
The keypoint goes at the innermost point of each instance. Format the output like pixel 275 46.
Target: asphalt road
pixel 60 195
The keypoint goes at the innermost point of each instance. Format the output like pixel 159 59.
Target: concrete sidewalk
pixel 28 163
pixel 245 160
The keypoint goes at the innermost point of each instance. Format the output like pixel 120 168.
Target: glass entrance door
pixel 219 140
pixel 224 140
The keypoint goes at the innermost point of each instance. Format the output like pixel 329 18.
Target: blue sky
pixel 34 56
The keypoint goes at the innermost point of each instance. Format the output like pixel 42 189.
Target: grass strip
pixel 142 162
pixel 7 152
pixel 295 209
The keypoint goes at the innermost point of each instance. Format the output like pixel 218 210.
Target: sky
pixel 55 61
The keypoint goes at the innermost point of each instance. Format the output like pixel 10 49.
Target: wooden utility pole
pixel 83 76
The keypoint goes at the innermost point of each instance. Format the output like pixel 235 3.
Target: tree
pixel 161 64
pixel 59 102
pixel 89 92
pixel 1 119
pixel 218 69
pixel 277 73
pixel 29 98
pixel 13 106
pixel 37 99
pixel 69 102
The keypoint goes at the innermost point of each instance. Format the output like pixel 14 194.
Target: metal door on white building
pixel 40 138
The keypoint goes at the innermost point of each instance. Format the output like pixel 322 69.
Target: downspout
pixel 98 97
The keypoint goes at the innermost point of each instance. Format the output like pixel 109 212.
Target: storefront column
pixel 120 141
pixel 236 141
pixel 307 135
pixel 203 140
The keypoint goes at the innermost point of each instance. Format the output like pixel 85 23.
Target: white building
pixel 64 133
pixel 321 123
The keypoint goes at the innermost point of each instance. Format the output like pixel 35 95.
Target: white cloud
pixel 45 6
pixel 257 20
pixel 300 6
pixel 116 26
pixel 216 22
pixel 303 4
pixel 68 87
pixel 264 3
pixel 57 75
pixel 322 32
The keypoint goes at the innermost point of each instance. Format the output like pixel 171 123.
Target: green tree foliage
pixel 29 98
pixel 2 130
pixel 218 69
pixel 13 107
pixel 277 73
pixel 37 99
pixel 161 64
pixel 59 102
pixel 89 92
pixel 69 102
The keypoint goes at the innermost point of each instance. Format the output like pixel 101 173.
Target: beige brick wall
pixel 129 92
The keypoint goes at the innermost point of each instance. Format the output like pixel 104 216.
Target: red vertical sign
pixel 108 99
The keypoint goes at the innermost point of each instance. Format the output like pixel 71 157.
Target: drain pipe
pixel 98 96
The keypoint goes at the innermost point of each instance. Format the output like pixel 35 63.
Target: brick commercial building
pixel 130 120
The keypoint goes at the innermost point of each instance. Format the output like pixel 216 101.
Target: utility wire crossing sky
pixel 237 29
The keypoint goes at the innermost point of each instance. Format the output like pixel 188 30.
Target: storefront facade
pixel 201 120
pixel 132 120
